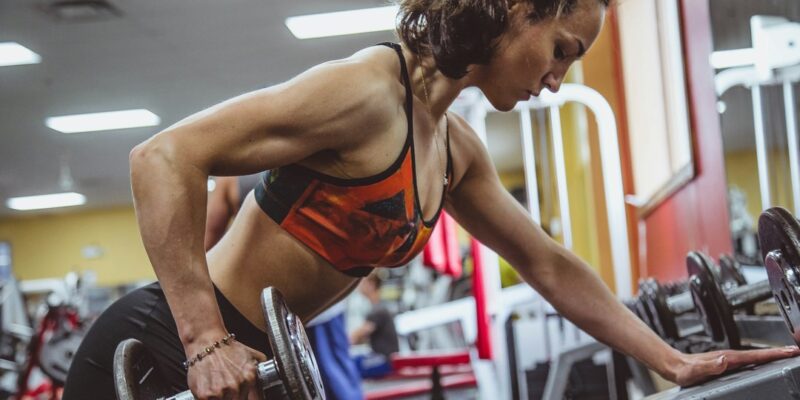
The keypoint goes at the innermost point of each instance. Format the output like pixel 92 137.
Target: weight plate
pixel 296 363
pixel 135 375
pixel 664 320
pixel 56 354
pixel 710 302
pixel 642 309
pixel 778 229
pixel 731 272
pixel 779 234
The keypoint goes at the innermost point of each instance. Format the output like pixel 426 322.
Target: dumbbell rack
pixel 779 234
pixel 758 331
pixel 775 381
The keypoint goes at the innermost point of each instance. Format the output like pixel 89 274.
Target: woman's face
pixel 532 56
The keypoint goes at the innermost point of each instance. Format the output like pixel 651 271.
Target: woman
pixel 363 156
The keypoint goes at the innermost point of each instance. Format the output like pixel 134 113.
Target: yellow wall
pixel 741 168
pixel 579 181
pixel 579 167
pixel 512 179
pixel 579 184
pixel 599 73
pixel 50 246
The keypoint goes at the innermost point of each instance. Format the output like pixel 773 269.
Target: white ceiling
pixel 173 57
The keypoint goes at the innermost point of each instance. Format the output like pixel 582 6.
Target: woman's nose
pixel 551 82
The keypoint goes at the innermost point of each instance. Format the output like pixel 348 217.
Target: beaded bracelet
pixel 208 350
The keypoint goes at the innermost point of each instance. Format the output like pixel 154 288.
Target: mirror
pixel 656 101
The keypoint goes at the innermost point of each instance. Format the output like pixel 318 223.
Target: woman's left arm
pixel 481 205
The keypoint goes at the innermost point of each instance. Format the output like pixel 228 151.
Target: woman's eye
pixel 558 53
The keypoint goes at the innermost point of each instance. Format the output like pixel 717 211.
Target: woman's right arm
pixel 319 110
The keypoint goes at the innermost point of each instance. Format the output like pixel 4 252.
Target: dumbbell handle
pixel 267 378
pixel 738 297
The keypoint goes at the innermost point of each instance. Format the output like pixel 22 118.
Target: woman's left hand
pixel 698 368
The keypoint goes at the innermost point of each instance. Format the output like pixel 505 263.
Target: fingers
pixel 703 367
pixel 258 356
pixel 253 395
pixel 244 391
pixel 741 358
pixel 249 386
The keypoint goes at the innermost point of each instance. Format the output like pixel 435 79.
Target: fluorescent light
pixel 103 121
pixel 46 201
pixel 343 22
pixel 13 53
pixel 212 184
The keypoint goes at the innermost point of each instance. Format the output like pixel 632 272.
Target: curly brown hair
pixel 462 32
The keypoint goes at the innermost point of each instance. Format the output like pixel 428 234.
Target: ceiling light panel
pixel 56 200
pixel 13 53
pixel 103 121
pixel 343 22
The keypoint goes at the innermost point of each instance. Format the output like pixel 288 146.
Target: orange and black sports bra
pixel 355 224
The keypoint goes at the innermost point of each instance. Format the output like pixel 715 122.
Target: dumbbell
pixel 730 271
pixel 717 306
pixel 658 301
pixel 292 373
pixel 707 297
pixel 779 234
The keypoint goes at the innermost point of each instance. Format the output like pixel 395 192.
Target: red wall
pixel 696 216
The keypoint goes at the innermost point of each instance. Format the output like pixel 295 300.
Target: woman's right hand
pixel 229 372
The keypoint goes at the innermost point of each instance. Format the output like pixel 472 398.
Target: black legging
pixel 144 314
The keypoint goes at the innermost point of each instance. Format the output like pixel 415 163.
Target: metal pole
pixel 761 149
pixel 529 162
pixel 544 146
pixel 561 175
pixel 794 146
pixel 498 372
pixel 612 172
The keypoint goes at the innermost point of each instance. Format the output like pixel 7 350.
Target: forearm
pixel 170 203
pixel 580 295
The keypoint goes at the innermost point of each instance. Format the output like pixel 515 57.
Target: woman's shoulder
pixel 373 69
pixel 345 95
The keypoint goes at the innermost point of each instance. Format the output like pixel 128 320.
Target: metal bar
pixel 559 369
pixel 612 181
pixel 680 303
pixel 9 366
pixel 794 146
pixel 732 58
pixel 770 329
pixel 761 149
pixel 749 294
pixel 767 329
pixel 612 171
pixel 641 376
pixel 529 162
pixel 544 145
pixel 561 175
pixel 611 378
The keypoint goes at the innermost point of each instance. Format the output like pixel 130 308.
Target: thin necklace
pixel 435 124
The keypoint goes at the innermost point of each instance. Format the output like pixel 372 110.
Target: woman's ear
pixel 518 6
